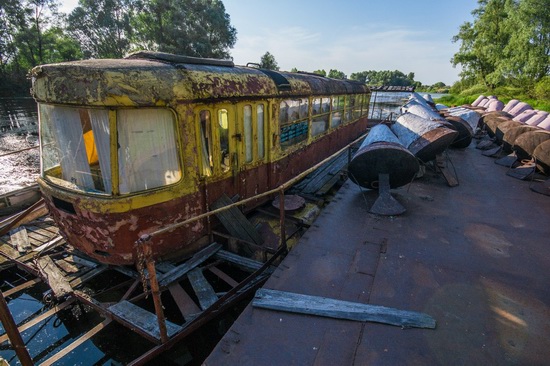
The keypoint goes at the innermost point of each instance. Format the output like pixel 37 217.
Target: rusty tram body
pixel 133 145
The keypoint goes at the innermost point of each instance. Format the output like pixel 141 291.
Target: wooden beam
pixel 188 265
pixel 332 308
pixel 53 276
pixel 142 319
pixel 21 287
pixel 76 343
pixel 187 306
pixel 41 317
pixel 204 291
pixel 223 276
pixel 247 263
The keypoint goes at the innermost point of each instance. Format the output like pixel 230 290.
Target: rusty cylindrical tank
pixel 382 153
pixel 525 144
pixel 424 138
pixel 542 157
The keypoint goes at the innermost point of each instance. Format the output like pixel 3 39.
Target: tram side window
pixel 248 143
pixel 320 113
pixel 76 147
pixel 207 163
pixel 260 130
pixel 357 106
pixel 147 153
pixel 350 106
pixel 366 100
pixel 337 111
pixel 253 132
pixel 223 133
pixel 293 119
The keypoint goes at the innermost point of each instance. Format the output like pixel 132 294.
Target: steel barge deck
pixel 475 257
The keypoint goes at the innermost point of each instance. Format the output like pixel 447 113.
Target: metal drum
pixel 382 153
pixel 424 138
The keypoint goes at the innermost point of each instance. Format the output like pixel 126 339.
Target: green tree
pixel 268 62
pixel 336 74
pixel 188 27
pixel 102 27
pixel 483 42
pixel 320 72
pixel 529 48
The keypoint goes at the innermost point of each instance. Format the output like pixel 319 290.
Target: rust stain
pixel 492 241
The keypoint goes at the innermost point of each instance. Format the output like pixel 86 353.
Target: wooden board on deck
pixel 53 276
pixel 20 239
pixel 333 308
pixel 236 222
pixel 204 291
pixel 142 319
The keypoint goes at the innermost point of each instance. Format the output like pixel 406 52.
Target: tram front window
pixel 75 148
pixel 147 153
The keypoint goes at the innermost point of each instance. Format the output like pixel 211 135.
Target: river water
pixel 18 130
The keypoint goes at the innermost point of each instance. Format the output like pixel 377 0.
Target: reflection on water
pixel 18 130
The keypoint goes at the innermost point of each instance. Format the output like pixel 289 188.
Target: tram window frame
pixel 365 105
pixel 76 148
pixel 142 159
pixel 253 132
pixel 337 111
pixel 320 115
pixel 216 150
pixel 293 124
pixel 348 109
pixel 356 110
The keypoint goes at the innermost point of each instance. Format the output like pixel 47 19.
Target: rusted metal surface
pixel 474 257
pixel 107 227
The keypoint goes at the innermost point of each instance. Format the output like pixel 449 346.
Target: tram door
pixel 253 167
pixel 218 150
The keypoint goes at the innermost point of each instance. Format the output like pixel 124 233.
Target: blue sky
pixel 349 35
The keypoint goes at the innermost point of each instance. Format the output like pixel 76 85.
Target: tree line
pixel 34 32
pixel 506 44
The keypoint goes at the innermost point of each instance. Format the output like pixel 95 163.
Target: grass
pixel 504 94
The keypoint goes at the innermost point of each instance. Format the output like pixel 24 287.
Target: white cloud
pixel 360 49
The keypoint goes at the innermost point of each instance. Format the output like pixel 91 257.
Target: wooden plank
pixel 20 239
pixel 53 276
pixel 7 251
pixel 40 318
pixel 332 308
pixel 187 306
pixel 89 334
pixel 66 266
pixel 58 240
pixel 204 291
pixel 187 266
pixel 248 264
pixel 236 222
pixel 21 287
pixel 142 319
pixel 223 276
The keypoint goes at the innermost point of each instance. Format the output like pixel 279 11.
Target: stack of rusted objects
pixel 515 129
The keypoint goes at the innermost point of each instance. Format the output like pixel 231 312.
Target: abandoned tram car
pixel 129 146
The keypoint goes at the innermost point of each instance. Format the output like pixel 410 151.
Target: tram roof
pixel 152 78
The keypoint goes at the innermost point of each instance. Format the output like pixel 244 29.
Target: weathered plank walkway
pixel 475 257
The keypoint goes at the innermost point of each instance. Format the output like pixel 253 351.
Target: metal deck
pixel 475 257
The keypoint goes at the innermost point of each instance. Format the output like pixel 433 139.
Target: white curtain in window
pixel 147 149
pixel 68 133
pixel 100 127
